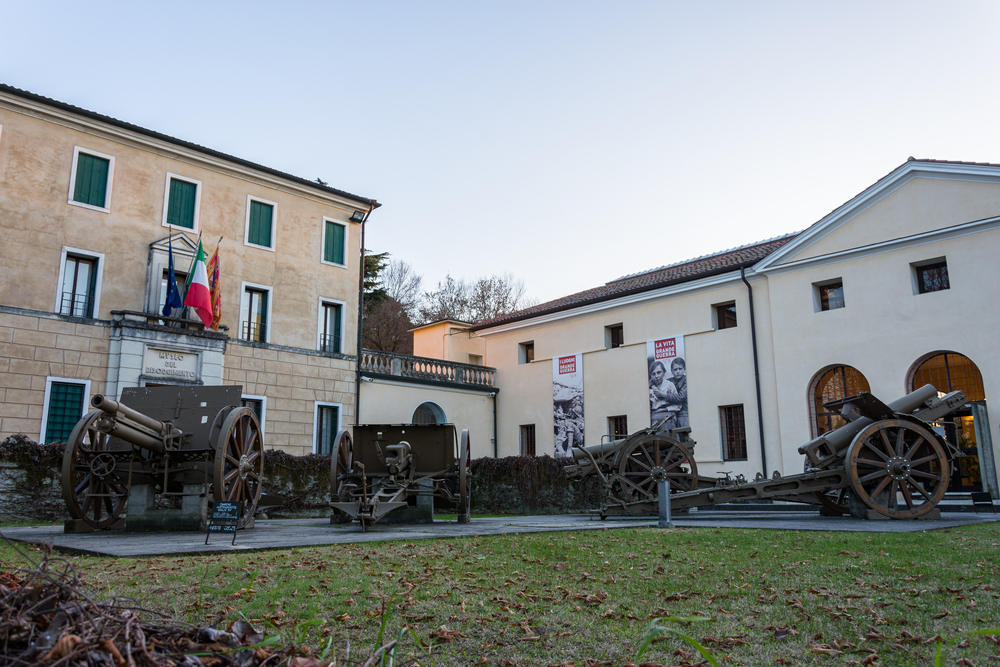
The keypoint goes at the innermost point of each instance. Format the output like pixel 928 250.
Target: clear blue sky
pixel 567 142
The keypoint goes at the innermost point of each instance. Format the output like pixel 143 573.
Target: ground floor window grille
pixel 528 440
pixel 327 421
pixel 65 410
pixel 734 433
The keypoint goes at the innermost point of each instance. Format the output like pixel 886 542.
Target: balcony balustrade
pixel 423 368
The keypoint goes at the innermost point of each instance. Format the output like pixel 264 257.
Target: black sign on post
pixel 225 517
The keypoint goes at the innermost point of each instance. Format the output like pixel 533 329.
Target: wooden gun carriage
pixel 394 464
pixel 885 460
pixel 181 443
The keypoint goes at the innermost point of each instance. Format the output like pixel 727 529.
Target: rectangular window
pixel 180 279
pixel 829 295
pixel 181 202
pixel 63 407
pixel 256 403
pixel 932 277
pixel 79 286
pixel 90 181
pixel 334 239
pixel 331 327
pixel 255 310
pixel 526 352
pixel 326 425
pixel 725 316
pixel 260 223
pixel 618 427
pixel 528 440
pixel 614 336
pixel 734 433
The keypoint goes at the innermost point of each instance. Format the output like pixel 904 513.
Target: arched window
pixel 949 371
pixel 833 384
pixel 429 413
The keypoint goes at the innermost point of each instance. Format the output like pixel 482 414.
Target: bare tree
pixel 482 299
pixel 450 301
pixel 386 328
pixel 403 284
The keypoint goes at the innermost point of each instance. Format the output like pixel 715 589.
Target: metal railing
pixel 423 368
pixel 254 331
pixel 329 343
pixel 78 305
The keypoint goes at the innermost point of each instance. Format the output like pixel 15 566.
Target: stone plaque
pixel 170 365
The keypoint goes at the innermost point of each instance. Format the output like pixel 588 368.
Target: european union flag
pixel 173 295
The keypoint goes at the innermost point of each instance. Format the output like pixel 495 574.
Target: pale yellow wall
pixel 430 341
pixel 449 342
pixel 394 403
pixel 35 163
pixel 921 205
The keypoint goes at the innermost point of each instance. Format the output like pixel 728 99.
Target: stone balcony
pixel 387 365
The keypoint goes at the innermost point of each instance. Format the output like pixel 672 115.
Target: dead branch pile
pixel 46 619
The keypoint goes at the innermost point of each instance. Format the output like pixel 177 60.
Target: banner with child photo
pixel 667 376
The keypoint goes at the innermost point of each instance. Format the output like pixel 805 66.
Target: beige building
pixel 87 204
pixel 888 292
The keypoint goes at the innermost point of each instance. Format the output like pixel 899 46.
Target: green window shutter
pixel 334 248
pixel 180 206
pixel 338 345
pixel 91 185
pixel 65 410
pixel 261 219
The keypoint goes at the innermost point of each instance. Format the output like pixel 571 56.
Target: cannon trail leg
pixel 239 462
pixel 898 468
pixel 90 485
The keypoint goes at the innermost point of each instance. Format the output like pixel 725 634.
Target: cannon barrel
pixel 127 432
pixel 840 438
pixel 579 453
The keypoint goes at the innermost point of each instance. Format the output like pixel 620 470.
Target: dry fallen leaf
pixel 63 647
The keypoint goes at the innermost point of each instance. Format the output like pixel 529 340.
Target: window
pixel 725 315
pixel 255 313
pixel 618 427
pixel 833 384
pixel 180 279
pixel 526 352
pixel 181 202
pixel 476 359
pixel 62 407
pixel 256 403
pixel 734 433
pixel 429 413
pixel 331 326
pixel 528 440
pixel 614 336
pixel 260 223
pixel 334 241
pixel 932 276
pixel 79 283
pixel 326 423
pixel 829 295
pixel 90 180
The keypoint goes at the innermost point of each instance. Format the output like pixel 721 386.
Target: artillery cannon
pixel 886 459
pixel 386 472
pixel 180 443
pixel 629 469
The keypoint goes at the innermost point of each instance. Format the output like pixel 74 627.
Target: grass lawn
pixel 587 598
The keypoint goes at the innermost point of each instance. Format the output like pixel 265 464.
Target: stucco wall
pixel 385 402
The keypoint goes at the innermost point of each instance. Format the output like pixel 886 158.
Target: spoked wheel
pixel 90 483
pixel 650 459
pixel 341 462
pixel 898 468
pixel 464 478
pixel 239 462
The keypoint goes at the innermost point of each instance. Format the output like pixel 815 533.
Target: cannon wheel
pixel 898 468
pixel 644 461
pixel 341 462
pixel 239 462
pixel 464 478
pixel 834 500
pixel 89 494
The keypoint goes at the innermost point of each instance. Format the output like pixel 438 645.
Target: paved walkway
pixel 275 534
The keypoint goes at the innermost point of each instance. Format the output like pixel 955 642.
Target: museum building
pixel 890 291
pixel 91 209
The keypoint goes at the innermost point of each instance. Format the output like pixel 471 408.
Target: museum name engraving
pixel 166 364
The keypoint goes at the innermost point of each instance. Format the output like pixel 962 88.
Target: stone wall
pixel 293 380
pixel 34 347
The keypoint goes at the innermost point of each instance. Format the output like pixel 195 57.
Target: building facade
pixel 91 209
pixel 888 292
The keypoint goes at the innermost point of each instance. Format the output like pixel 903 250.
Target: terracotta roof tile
pixel 692 269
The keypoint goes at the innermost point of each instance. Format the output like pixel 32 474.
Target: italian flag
pixel 198 295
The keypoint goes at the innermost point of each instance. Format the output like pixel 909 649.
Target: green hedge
pixel 30 484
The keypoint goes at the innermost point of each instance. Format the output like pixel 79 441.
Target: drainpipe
pixel 361 317
pixel 756 372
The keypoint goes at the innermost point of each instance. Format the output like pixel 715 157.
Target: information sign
pixel 225 517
